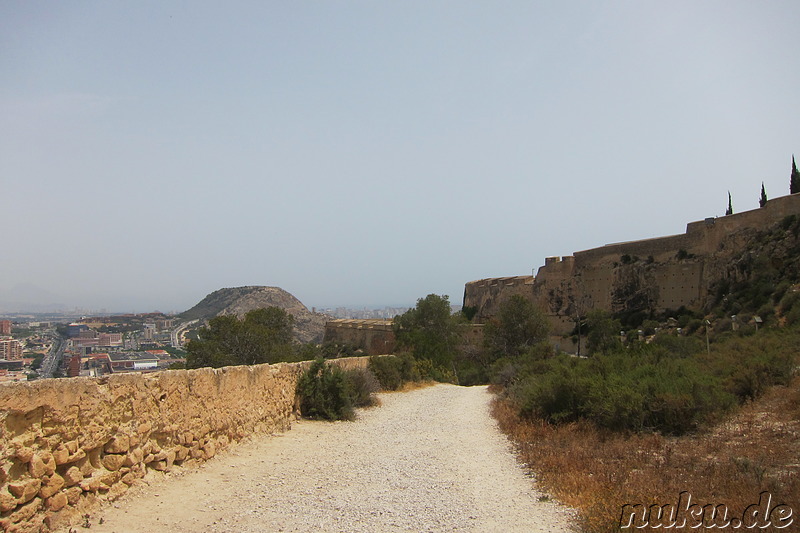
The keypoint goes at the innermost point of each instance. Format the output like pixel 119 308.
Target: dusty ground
pixel 427 460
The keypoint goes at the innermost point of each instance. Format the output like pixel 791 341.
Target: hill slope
pixel 309 327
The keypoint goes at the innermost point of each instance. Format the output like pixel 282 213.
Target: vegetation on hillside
pixel 263 336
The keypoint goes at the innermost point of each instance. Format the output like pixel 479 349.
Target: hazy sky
pixel 370 153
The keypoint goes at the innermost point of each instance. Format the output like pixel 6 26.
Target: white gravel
pixel 426 460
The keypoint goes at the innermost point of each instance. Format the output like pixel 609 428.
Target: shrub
pixel 325 392
pixel 393 371
pixel 363 386
pixel 625 390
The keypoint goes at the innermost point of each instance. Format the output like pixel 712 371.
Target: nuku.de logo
pixel 685 514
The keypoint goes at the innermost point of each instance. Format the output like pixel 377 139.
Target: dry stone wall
pixel 67 443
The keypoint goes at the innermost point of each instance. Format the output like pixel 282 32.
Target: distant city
pixel 363 312
pixel 85 342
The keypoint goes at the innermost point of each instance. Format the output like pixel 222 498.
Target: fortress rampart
pixel 651 274
pixel 374 336
pixel 65 443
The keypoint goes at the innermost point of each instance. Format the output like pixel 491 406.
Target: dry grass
pixel 597 472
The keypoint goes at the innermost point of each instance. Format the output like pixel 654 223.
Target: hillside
pixel 309 327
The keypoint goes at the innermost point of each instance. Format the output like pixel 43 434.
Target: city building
pixel 10 349
pixel 5 327
pixel 133 362
pixel 73 330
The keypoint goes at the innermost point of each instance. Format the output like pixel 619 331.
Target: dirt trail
pixel 426 460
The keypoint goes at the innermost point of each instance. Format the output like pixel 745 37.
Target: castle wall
pixel 486 295
pixel 65 443
pixel 375 337
pixel 653 274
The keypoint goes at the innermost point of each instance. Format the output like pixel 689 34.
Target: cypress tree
pixel 729 211
pixel 794 184
pixel 763 200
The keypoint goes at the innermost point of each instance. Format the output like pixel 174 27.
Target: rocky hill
pixel 309 327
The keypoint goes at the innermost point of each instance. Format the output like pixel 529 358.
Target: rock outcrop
pixel 309 327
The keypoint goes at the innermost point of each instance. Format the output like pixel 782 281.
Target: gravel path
pixel 426 460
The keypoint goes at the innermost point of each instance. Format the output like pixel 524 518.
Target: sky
pixel 362 153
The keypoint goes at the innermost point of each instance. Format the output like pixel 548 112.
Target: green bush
pixel 325 392
pixel 393 371
pixel 625 390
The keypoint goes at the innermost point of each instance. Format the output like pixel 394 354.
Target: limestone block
pixel 73 476
pixel 73 446
pixel 181 452
pixel 109 478
pixel 135 456
pixel 73 495
pixel 92 484
pixel 61 455
pixel 161 466
pixel 149 458
pixel 86 466
pixel 209 450
pixel 119 444
pixel 144 428
pixel 36 466
pixel 57 501
pixel 134 440
pixel 52 485
pixel 77 456
pixel 7 501
pixel 129 478
pixel 24 454
pixel 170 458
pixel 113 461
pixel 25 490
pixel 49 462
pixel 26 512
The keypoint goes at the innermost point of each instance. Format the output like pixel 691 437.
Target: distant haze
pixel 370 153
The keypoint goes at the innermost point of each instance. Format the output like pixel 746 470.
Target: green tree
pixel 763 200
pixel 729 211
pixel 429 331
pixel 263 336
pixel 603 332
pixel 794 182
pixel 519 325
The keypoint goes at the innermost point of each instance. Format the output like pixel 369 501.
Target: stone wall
pixel 648 275
pixel 67 443
pixel 486 295
pixel 374 336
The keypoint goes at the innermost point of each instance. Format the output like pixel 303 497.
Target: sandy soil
pixel 426 460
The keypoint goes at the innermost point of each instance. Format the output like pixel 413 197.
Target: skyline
pixel 365 154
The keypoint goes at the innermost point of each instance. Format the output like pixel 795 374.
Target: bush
pixel 393 371
pixel 624 390
pixel 363 386
pixel 325 392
